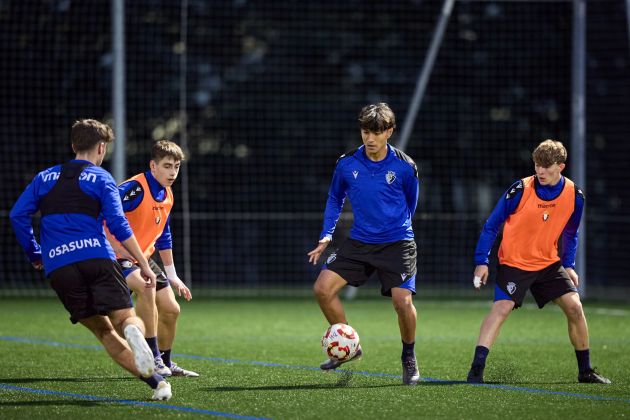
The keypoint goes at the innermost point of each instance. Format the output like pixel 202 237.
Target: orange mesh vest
pixel 530 234
pixel 149 219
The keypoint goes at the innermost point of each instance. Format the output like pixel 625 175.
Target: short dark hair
pixel 166 148
pixel 88 133
pixel 549 152
pixel 377 118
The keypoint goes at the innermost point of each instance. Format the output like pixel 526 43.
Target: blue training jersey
pixel 383 194
pixel 67 238
pixel 508 205
pixel 131 201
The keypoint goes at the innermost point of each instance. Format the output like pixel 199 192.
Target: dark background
pixel 273 90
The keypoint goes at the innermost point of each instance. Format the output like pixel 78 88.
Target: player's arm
pixel 20 215
pixel 164 245
pixel 112 210
pixel 506 205
pixel 570 237
pixel 334 205
pixel 412 190
pixel 130 194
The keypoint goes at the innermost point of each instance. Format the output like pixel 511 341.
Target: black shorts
pixel 129 266
pixel 546 285
pixel 91 287
pixel 395 264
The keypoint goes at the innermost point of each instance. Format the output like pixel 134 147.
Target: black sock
pixel 153 381
pixel 166 357
pixel 407 350
pixel 481 353
pixel 583 359
pixel 152 342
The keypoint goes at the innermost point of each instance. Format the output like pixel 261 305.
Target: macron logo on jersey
pixel 53 176
pixel 73 246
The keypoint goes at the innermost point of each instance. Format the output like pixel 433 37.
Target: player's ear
pixel 561 166
pixel 152 165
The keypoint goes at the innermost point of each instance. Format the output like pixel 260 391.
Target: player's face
pixel 550 175
pixel 165 171
pixel 376 143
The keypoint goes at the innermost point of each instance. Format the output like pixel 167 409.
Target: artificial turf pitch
pixel 259 358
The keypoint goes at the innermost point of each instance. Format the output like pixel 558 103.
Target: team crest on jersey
pixel 355 174
pixel 390 176
pixel 545 216
pixel 331 258
pixel 158 220
pixel 511 288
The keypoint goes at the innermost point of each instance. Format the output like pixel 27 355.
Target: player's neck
pixel 90 157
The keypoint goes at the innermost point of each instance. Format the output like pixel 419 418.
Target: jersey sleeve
pixel 412 190
pixel 131 194
pixel 506 206
pixel 571 231
pixel 112 210
pixel 165 241
pixel 336 197
pixel 25 206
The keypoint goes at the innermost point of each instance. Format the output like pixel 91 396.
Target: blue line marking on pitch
pixel 316 369
pixel 126 402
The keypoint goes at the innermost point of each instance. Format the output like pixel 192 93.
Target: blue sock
pixel 153 381
pixel 481 354
pixel 407 350
pixel 583 359
pixel 166 357
pixel 152 341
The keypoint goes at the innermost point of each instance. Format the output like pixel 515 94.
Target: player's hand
pixel 38 265
pixel 314 255
pixel 480 276
pixel 181 288
pixel 573 275
pixel 148 275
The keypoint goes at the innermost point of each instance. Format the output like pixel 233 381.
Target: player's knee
pixel 171 311
pixel 403 305
pixel 322 291
pixel 503 308
pixel 575 311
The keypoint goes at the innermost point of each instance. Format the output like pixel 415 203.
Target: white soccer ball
pixel 340 342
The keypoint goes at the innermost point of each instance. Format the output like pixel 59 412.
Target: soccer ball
pixel 340 342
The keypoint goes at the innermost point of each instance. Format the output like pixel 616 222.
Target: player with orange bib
pixel 537 211
pixel 147 201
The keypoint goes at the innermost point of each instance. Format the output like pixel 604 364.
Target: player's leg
pixel 406 311
pixel 168 312
pixel 578 333
pixel 397 270
pixel 326 289
pixel 555 285
pixel 146 309
pixel 342 267
pixel 509 292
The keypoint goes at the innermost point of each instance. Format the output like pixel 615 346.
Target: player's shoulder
pixel 579 192
pixel 405 159
pixel 345 158
pixel 515 189
pixel 49 174
pixel 130 190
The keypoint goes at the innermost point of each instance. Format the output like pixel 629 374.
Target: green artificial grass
pixel 259 358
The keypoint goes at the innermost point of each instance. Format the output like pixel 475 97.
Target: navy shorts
pixel 91 287
pixel 129 266
pixel 395 264
pixel 545 285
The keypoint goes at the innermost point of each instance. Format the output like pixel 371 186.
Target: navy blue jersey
pixel 70 237
pixel 384 196
pixel 132 194
pixel 509 203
